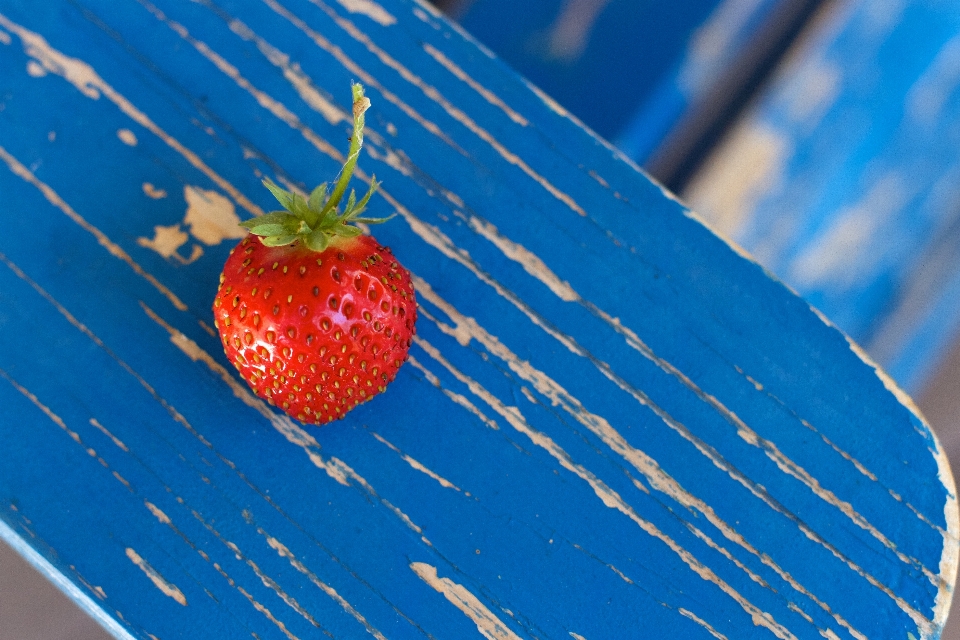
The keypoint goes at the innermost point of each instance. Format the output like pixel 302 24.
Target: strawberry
pixel 315 316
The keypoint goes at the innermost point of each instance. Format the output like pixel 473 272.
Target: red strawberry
pixel 316 317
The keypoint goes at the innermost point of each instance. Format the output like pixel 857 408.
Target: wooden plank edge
pixel 63 583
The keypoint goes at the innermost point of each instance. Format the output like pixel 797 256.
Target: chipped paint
pixel 114 249
pixel 267 581
pixel 608 496
pixel 550 103
pixel 264 100
pixel 160 515
pixel 786 465
pixel 266 612
pixel 418 466
pixel 689 614
pixel 370 9
pixel 460 399
pixel 165 586
pixel 82 76
pixel 392 159
pixel 284 552
pixel 294 434
pixel 35 70
pixel 489 625
pixel 157 513
pixel 467 328
pixel 166 241
pixel 950 558
pixel 453 111
pixel 64 583
pixel 462 75
pixel 530 262
pixel 368 80
pixel 334 467
pixel 210 216
pixel 153 192
pixel 127 137
pixel 301 82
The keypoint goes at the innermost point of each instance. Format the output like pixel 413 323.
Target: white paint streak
pixel 530 262
pixel 112 248
pixel 165 586
pixel 468 329
pixel 562 289
pixel 489 625
pixel 153 192
pixel 608 496
pixel 364 77
pixel 301 82
pixel 393 159
pixel 462 75
pixel 689 614
pixel 284 552
pixel 5 38
pixel 82 76
pixel 127 137
pixel 460 399
pixel 334 467
pixel 157 513
pixel 370 9
pixel 551 104
pixel 112 437
pixel 417 465
pixel 35 70
pixel 457 114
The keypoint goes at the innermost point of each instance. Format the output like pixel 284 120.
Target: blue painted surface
pixel 634 72
pixel 855 202
pixel 612 426
pixel 601 59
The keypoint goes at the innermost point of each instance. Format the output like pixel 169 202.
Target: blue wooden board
pixel 659 79
pixel 612 423
pixel 601 59
pixel 842 179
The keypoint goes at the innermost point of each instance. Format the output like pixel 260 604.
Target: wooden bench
pixel 613 423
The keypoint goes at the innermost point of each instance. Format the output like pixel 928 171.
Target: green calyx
pixel 317 220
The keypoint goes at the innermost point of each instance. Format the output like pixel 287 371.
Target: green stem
pixel 360 105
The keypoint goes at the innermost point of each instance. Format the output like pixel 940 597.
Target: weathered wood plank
pixel 612 424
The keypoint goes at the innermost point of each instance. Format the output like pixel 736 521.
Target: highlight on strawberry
pixel 316 316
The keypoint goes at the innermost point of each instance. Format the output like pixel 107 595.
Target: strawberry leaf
pixel 317 197
pixel 318 240
pixel 275 223
pixel 360 206
pixel 278 241
pixel 284 197
pixel 351 203
pixel 347 231
pixel 301 209
pixel 374 220
pixel 316 219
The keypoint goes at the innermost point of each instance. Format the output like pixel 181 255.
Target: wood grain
pixel 613 424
